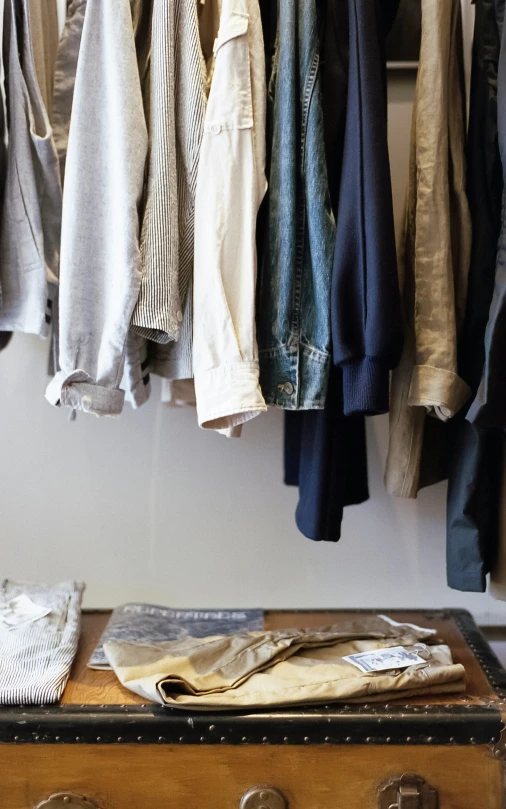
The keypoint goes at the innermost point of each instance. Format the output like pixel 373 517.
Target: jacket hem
pixel 468 582
pixel 295 378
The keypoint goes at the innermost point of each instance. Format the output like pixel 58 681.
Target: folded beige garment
pixel 284 667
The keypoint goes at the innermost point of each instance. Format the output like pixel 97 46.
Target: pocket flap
pixel 235 26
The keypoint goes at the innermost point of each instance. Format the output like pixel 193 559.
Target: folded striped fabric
pixel 36 658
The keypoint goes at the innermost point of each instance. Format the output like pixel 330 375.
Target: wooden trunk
pixel 104 744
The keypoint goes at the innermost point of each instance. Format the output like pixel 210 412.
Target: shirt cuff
pixel 366 387
pixel 78 391
pixel 228 396
pixel 439 389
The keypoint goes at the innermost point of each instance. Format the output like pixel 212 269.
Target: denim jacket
pixel 293 296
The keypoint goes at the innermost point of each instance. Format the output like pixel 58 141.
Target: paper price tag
pixel 20 611
pixel 396 657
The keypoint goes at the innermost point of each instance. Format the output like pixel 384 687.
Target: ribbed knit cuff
pixel 366 386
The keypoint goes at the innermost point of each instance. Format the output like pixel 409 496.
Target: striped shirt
pixel 157 315
pixel 174 360
pixel 35 659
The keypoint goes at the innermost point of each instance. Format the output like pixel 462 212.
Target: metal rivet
pixel 181 738
pixel 202 738
pixel 327 739
pixel 472 740
pixel 430 739
pixel 16 738
pixel 99 738
pixel 57 738
pixel 388 739
pixel 120 738
pixel 160 738
pixel 408 738
pixel 139 738
pixel 285 739
pixel 244 739
pixel 265 740
pixel 212 727
pixel 348 738
pixel 36 738
pixel 306 739
pixel 78 738
pixel 452 739
pixel 223 739
pixel 369 739
pixel 123 706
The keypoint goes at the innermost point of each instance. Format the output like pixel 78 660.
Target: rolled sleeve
pixel 438 388
pixel 78 391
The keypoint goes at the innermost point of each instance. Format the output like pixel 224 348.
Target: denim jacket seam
pixel 285 348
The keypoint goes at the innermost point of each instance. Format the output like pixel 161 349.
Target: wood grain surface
pixel 192 777
pixel 102 688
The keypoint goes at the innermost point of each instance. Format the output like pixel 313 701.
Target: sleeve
pixel 230 187
pixel 365 306
pixel 489 407
pixel 157 315
pixel 442 230
pixel 100 261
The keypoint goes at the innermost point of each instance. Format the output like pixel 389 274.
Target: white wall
pixel 150 507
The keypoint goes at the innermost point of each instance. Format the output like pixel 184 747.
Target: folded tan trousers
pixel 284 667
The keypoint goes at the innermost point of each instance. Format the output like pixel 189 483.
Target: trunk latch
pixel 407 792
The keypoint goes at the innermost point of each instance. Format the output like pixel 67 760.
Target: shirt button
pixel 215 128
pixel 179 317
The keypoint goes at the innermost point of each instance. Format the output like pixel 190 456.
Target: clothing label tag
pixel 397 657
pixel 20 611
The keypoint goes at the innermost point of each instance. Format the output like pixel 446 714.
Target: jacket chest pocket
pixel 230 103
